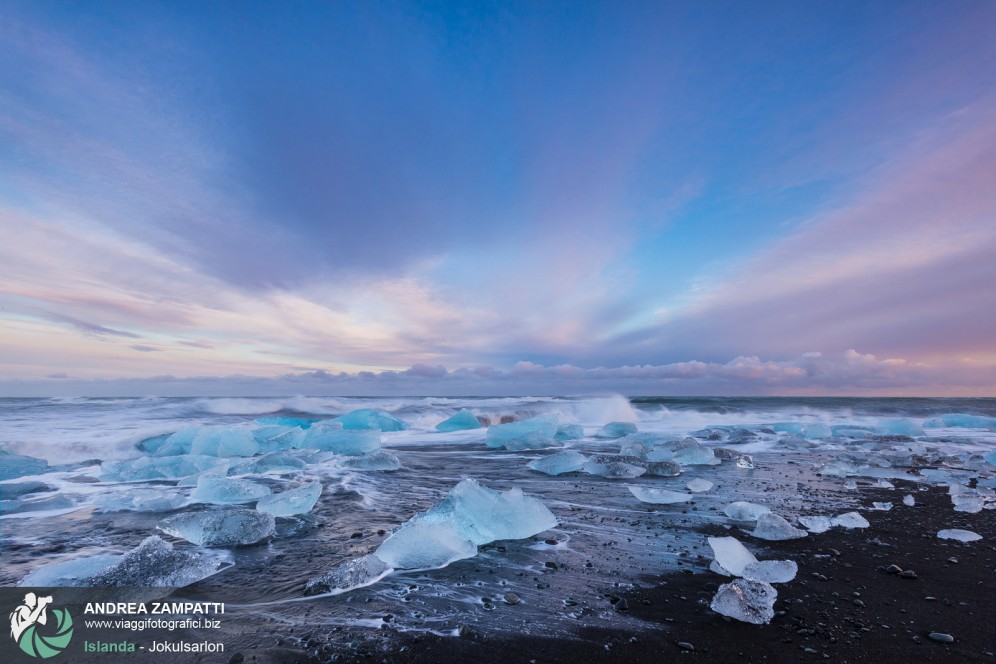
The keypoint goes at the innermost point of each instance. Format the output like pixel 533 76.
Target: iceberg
pixel 850 520
pixel 659 496
pixel 699 485
pixel 15 465
pixel 348 575
pixel 816 524
pixel 612 467
pixel 532 430
pixel 381 460
pixel 559 463
pixel 369 419
pixel 771 571
pixel 731 555
pixel 744 511
pixel 154 563
pixel 329 436
pixel 616 430
pixel 746 600
pixel 227 491
pixel 959 535
pixel 236 526
pixel 775 528
pixel 300 500
pixel 462 421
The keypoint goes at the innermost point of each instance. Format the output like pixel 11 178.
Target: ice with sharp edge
pixel 559 463
pixel 221 490
pixel 227 527
pixel 850 520
pixel 730 554
pixel 746 600
pixel 659 496
pixel 299 500
pixel 744 511
pixel 959 535
pixel 463 420
pixel 774 527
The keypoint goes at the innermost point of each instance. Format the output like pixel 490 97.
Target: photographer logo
pixel 34 633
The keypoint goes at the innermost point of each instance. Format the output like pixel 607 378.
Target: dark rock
pixel 685 645
pixel 512 598
pixel 893 569
pixel 236 658
pixel 941 637
pixel 907 574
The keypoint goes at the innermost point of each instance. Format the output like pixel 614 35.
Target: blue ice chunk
pixel 227 490
pixel 370 419
pixel 156 467
pixel 380 460
pixel 559 463
pixel 900 427
pixel 12 490
pixel 612 467
pixel 500 434
pixel 469 516
pixel 533 440
pixel 177 443
pixel 236 526
pixel 616 430
pixel 462 421
pixel 687 451
pixel 154 563
pixel 15 465
pixel 816 430
pixel 275 437
pixel 268 463
pixel 299 500
pixel 224 442
pixel 633 448
pixel 150 445
pixel 300 422
pixel 569 432
pixel 991 458
pixel 349 575
pixel 773 527
pixel 962 421
pixel 659 496
pixel 329 436
pixel 142 500
pixel 744 511
pixel 850 431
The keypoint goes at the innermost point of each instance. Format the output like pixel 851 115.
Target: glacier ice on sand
pixel 236 526
pixel 699 485
pixel 774 527
pixel 222 490
pixel 379 460
pixel 959 535
pixel 330 436
pixel 462 421
pixel 746 600
pixel 568 461
pixel 348 575
pixel 370 419
pixel 771 571
pixel 299 500
pixel 850 520
pixel 659 496
pixel 744 511
pixel 616 430
pixel 526 434
pixel 730 554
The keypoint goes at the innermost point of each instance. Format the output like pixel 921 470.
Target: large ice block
pixel 771 571
pixel 348 575
pixel 159 467
pixel 959 535
pixel 227 490
pixel 330 436
pixel 425 542
pixel 224 442
pixel 142 500
pixel 462 421
pixel 15 465
pixel 570 432
pixel 235 526
pixel 963 420
pixel 561 462
pixel 850 520
pixel 744 511
pixel 370 419
pixel 274 462
pixel 616 430
pixel 816 524
pixel 900 427
pixel 534 440
pixel 746 600
pixel 699 485
pixel 299 500
pixel 536 428
pixel 274 438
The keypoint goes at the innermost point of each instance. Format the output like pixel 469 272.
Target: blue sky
pixel 278 191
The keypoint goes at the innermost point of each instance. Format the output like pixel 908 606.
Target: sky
pixel 497 198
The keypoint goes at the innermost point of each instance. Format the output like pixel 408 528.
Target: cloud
pixel 813 373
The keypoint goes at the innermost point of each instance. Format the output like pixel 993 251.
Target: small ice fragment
pixel 228 527
pixel 838 468
pixel 351 574
pixel 773 527
pixel 744 511
pixel 771 571
pixel 499 435
pixel 745 461
pixel 380 460
pixel 816 524
pixel 882 507
pixel 369 419
pixel 699 485
pixel 422 544
pixel 850 520
pixel 659 496
pixel 329 436
pixel 731 555
pixel 850 484
pixel 299 500
pixel 746 600
pixel 884 484
pixel 227 491
pixel 561 462
pixel 464 420
pixel 616 430
pixel 908 500
pixel 991 458
pixel 612 467
pixel 959 535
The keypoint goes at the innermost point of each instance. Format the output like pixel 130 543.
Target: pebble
pixel 621 605
pixel 953 560
pixel 236 658
pixel 685 645
pixel 893 569
pixel 941 637
pixel 512 598
pixel 907 574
